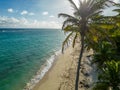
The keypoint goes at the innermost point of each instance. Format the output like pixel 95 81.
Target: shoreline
pixel 61 75
pixel 53 77
pixel 45 68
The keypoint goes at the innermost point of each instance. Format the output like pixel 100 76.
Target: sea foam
pixel 42 71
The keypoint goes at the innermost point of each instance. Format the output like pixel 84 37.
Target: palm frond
pixel 65 15
pixel 89 42
pixel 73 5
pixel 90 3
pixel 95 14
pixel 103 34
pixel 71 28
pixel 98 5
pixel 70 21
pixel 118 11
pixel 80 3
pixel 65 42
pixel 74 40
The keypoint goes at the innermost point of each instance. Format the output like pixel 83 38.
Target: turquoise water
pixel 22 52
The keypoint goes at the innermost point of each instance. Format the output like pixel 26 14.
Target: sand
pixel 62 74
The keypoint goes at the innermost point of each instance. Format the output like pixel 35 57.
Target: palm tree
pixel 109 77
pixel 103 53
pixel 82 19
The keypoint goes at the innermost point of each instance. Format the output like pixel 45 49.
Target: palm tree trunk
pixel 79 62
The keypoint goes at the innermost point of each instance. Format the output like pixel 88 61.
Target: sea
pixel 24 52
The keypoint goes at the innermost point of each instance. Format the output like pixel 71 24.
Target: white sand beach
pixel 62 74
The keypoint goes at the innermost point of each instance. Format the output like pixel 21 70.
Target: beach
pixel 52 79
pixel 61 75
pixel 34 33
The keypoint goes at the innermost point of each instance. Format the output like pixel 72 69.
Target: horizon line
pixel 27 28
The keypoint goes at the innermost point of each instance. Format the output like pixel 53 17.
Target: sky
pixel 34 13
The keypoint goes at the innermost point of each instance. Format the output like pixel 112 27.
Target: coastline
pixel 52 79
pixel 42 71
pixel 61 75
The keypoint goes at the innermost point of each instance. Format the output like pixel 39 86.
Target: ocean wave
pixel 40 74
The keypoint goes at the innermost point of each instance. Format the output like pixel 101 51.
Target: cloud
pixel 116 1
pixel 51 16
pixel 46 24
pixel 11 22
pixel 45 13
pixel 24 12
pixel 5 21
pixel 31 14
pixel 10 10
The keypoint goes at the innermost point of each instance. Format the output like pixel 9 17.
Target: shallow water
pixel 22 52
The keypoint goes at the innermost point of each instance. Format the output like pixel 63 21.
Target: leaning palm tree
pixel 82 19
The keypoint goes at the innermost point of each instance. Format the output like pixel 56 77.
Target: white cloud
pixel 45 13
pixel 51 16
pixel 31 14
pixel 116 1
pixel 24 23
pixel 46 24
pixel 10 10
pixel 11 22
pixel 24 12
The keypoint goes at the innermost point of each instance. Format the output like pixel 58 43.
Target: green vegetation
pixel 109 77
pixel 99 33
pixel 107 57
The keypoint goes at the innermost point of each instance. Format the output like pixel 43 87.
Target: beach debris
pixel 86 72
